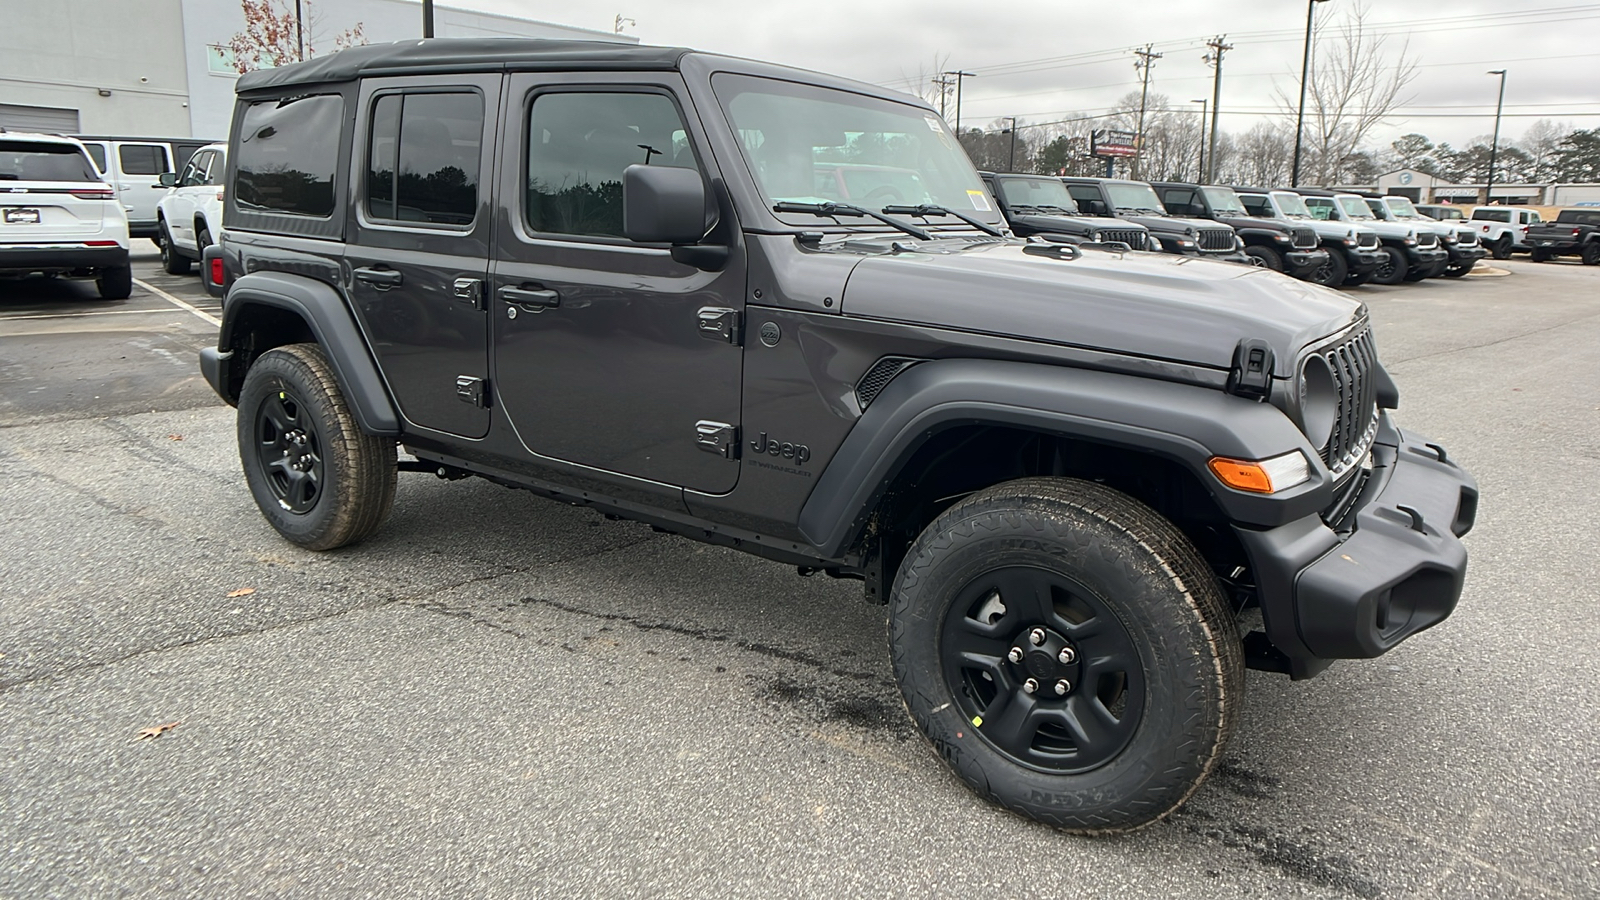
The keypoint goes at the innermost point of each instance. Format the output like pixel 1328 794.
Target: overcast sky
pixel 1045 60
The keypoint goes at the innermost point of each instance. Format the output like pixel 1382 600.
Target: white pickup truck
pixel 1504 229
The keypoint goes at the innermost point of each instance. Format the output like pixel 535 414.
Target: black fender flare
pixel 1185 423
pixel 335 330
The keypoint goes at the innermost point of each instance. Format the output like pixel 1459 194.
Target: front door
pixel 139 167
pixel 419 255
pixel 607 352
pixel 183 200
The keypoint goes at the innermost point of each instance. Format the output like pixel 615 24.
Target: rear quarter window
pixel 288 155
pixel 1491 215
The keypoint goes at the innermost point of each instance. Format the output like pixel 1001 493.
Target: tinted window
pixel 578 145
pixel 142 159
pixel 98 153
pixel 1039 193
pixel 1492 215
pixel 1087 198
pixel 38 161
pixel 1181 202
pixel 1256 205
pixel 422 161
pixel 288 154
pixel 1320 207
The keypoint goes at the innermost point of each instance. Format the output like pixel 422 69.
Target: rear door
pixel 609 353
pixel 138 166
pixel 418 250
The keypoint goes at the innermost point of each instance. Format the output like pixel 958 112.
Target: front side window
pixel 194 171
pixel 579 144
pixel 1257 206
pixel 809 144
pixel 141 159
pixel 1533 217
pixel 422 160
pixel 288 155
pixel 1182 202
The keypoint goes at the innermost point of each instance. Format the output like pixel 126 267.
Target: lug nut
pixel 1030 685
pixel 1036 636
pixel 1062 687
pixel 1015 655
pixel 1066 656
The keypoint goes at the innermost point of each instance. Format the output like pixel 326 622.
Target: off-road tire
pixel 1457 271
pixel 1147 579
pixel 1332 273
pixel 1540 254
pixel 1394 270
pixel 115 283
pixel 1500 248
pixel 356 472
pixel 1591 253
pixel 172 262
pixel 1270 258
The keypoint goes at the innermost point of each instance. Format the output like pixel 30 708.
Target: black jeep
pixel 1136 201
pixel 619 277
pixel 1040 204
pixel 1295 251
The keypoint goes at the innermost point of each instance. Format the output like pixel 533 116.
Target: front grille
pixel 1305 239
pixel 1427 240
pixel 1213 240
pixel 1367 240
pixel 1352 363
pixel 878 377
pixel 1466 238
pixel 1134 239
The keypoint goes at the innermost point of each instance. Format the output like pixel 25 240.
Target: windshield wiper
pixel 1062 209
pixel 834 210
pixel 923 210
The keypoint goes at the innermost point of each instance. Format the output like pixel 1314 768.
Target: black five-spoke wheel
pixel 1043 670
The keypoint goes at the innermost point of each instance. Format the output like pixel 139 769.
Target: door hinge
pixel 474 390
pixel 719 324
pixel 717 437
pixel 469 290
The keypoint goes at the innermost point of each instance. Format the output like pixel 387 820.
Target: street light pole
pixel 1200 173
pixel 1305 74
pixel 1494 144
pixel 1012 166
pixel 427 18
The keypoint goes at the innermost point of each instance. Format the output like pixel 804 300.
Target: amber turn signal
pixel 1264 477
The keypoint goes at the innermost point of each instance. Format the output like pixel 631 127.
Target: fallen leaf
pixel 156 731
pixel 174 437
pixel 242 592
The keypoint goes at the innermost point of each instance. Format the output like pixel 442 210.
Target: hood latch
pixel 1252 369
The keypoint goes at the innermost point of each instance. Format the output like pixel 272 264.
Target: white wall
pixel 215 21
pixel 1574 195
pixel 62 53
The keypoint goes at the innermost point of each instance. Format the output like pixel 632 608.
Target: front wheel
pixel 1331 273
pixel 1067 652
pixel 1265 256
pixel 1457 271
pixel 318 478
pixel 1392 269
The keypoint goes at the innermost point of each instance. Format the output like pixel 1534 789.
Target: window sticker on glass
pixel 980 201
pixel 933 124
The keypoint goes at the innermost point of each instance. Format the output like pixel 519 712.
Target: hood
pixel 1257 222
pixel 1174 224
pixel 1178 308
pixel 1075 224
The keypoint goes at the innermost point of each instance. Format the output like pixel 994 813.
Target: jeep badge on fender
pixel 988 447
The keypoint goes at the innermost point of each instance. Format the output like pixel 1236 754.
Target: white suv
pixel 1504 229
pixel 189 217
pixel 57 217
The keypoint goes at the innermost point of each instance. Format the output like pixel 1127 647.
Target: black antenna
pixel 649 151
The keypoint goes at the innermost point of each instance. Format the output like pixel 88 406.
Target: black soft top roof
pixel 463 55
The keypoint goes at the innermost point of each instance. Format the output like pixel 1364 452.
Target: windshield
pixel 1356 208
pixel 1293 206
pixel 807 144
pixel 1402 207
pixel 1040 193
pixel 1128 196
pixel 41 161
pixel 1223 201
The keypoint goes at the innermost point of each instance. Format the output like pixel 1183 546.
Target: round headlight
pixel 1099 236
pixel 1319 401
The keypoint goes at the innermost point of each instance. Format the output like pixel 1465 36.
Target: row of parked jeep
pixel 1325 237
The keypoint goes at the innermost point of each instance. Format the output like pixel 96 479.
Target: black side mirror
pixel 169 179
pixel 1098 208
pixel 663 204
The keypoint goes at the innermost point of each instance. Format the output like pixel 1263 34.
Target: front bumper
pixel 1362 260
pixel 1423 258
pixel 1389 566
pixel 26 258
pixel 1301 263
pixel 1466 255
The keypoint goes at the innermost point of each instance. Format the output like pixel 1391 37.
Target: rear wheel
pixel 115 283
pixel 202 239
pixel 1500 248
pixel 1267 257
pixel 1331 273
pixel 172 262
pixel 1591 253
pixel 1067 652
pixel 1541 255
pixel 318 478
pixel 1392 269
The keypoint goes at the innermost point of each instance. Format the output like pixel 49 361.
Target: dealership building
pixel 162 67
pixel 1424 188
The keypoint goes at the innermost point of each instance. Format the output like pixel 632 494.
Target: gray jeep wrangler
pixel 1091 486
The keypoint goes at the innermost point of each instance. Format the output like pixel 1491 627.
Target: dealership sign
pixel 1107 143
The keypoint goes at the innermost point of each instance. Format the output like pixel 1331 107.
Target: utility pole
pixel 427 18
pixel 299 31
pixel 617 26
pixel 944 92
pixel 1494 144
pixel 1305 73
pixel 1200 173
pixel 1146 59
pixel 1218 48
pixel 1012 167
pixel 959 77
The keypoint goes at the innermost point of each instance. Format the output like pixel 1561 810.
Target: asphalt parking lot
pixel 500 696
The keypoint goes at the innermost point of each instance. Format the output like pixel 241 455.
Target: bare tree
pixel 927 83
pixel 1541 142
pixel 1264 154
pixel 277 32
pixel 1356 83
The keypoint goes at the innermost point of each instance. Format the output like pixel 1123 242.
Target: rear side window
pixel 141 159
pixel 288 155
pixel 30 161
pixel 422 160
pixel 578 145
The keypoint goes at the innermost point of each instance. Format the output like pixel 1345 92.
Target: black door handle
pixel 530 298
pixel 381 277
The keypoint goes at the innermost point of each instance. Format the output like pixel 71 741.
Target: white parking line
pixel 179 303
pixel 104 312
